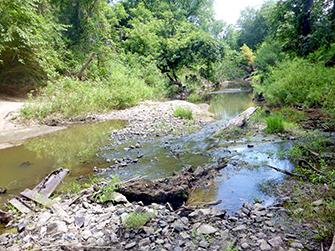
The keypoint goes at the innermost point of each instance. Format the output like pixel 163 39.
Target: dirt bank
pixel 13 133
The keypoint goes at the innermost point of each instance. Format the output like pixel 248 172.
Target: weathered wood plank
pixel 20 206
pixel 37 197
pixel 50 183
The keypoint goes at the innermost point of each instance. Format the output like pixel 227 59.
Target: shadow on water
pixel 74 148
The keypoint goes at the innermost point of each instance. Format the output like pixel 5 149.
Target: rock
pixel 276 241
pixel 130 245
pixel 149 230
pixel 184 235
pixel 86 234
pixel 239 228
pixel 178 226
pixel 144 242
pixel 79 221
pixel 206 229
pixel 43 218
pixel 3 240
pixel 258 207
pixel 119 198
pixel 160 241
pixel 245 245
pixel 204 244
pixel 264 246
pixel 297 245
pixel 3 190
pixel 317 203
pixel 56 227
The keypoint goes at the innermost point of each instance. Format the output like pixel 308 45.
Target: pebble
pixel 130 245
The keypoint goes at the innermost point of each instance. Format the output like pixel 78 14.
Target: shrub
pixel 268 55
pixel 70 97
pixel 274 124
pixel 136 220
pixel 301 83
pixel 183 113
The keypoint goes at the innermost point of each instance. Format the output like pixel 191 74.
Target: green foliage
pixel 30 42
pixel 77 186
pixel 137 219
pixel 231 67
pixel 106 193
pixel 268 55
pixel 69 97
pixel 300 83
pixel 183 113
pixel 254 25
pixel 274 124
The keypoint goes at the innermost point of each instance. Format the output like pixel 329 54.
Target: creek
pixel 82 147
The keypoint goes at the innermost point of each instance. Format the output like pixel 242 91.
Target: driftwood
pixel 43 190
pixel 238 121
pixel 284 171
pixel 174 190
pixel 20 206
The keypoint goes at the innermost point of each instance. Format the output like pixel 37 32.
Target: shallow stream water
pixel 81 147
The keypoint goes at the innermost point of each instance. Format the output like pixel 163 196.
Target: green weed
pixel 106 193
pixel 137 220
pixel 274 124
pixel 183 113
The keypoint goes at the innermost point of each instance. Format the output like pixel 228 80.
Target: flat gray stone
pixel 206 229
pixel 130 245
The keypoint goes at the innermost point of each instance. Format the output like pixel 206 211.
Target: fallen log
pixel 174 190
pixel 238 121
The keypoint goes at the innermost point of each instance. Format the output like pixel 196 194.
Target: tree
pixel 30 41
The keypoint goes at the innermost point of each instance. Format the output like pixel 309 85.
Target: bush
pixel 70 97
pixel 268 55
pixel 137 220
pixel 274 124
pixel 183 113
pixel 301 83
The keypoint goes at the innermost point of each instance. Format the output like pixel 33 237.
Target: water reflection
pixel 74 148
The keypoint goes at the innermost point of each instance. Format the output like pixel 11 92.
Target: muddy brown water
pixel 74 148
pixel 81 147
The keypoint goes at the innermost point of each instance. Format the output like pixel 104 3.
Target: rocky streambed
pixel 85 225
pixel 155 144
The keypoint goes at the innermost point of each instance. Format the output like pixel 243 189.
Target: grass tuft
pixel 183 113
pixel 274 124
pixel 137 220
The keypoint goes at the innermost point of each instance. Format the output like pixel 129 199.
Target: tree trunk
pixel 85 65
pixel 306 26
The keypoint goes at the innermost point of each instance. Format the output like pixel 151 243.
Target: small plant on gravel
pixel 137 219
pixel 183 113
pixel 274 124
pixel 106 193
